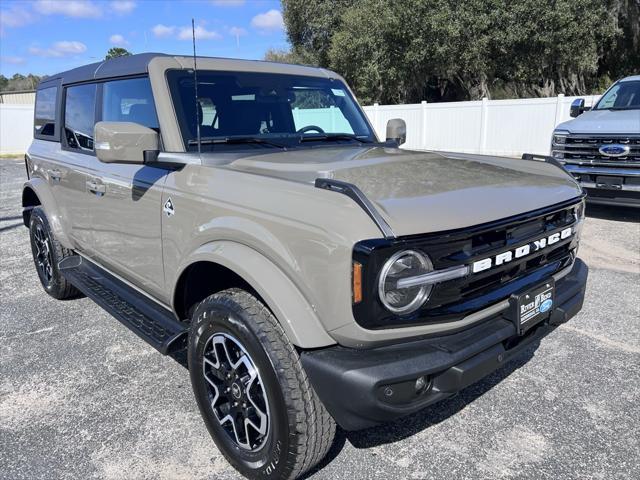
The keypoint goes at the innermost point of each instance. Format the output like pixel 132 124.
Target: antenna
pixel 195 83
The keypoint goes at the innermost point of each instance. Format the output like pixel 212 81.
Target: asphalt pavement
pixel 81 397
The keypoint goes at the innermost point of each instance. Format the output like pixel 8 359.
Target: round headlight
pixel 404 264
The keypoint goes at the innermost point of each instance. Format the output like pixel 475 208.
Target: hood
pixel 420 192
pixel 596 122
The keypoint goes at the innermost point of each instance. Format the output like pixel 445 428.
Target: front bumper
pixel 363 388
pixel 608 185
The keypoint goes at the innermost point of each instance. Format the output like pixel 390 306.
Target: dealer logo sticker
pixel 168 207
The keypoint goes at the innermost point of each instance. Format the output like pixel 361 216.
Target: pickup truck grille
pixel 454 299
pixel 585 150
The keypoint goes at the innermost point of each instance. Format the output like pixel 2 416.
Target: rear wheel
pixel 252 391
pixel 47 253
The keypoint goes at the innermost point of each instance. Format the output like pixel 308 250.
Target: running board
pixel 151 322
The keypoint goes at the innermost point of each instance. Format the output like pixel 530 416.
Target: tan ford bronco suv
pixel 243 217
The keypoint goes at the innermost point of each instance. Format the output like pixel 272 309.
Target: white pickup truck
pixel 601 147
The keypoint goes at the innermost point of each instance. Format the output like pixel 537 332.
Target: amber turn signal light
pixel 357 282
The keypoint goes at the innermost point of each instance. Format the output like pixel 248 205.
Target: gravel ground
pixel 82 397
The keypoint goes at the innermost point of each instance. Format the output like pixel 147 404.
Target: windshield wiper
pixel 236 141
pixel 328 137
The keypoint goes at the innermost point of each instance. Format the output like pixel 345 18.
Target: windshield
pixel 257 110
pixel 622 96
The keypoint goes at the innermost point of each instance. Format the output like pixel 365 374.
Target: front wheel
pixel 252 391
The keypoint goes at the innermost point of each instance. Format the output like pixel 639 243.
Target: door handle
pixel 95 187
pixel 55 175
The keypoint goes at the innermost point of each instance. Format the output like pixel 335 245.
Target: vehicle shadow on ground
pixel 430 416
pixel 616 214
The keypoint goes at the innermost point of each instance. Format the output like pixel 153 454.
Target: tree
pixel 411 50
pixel 115 52
pixel 282 56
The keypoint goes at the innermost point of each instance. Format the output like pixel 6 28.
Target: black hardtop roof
pixel 116 67
pixel 131 65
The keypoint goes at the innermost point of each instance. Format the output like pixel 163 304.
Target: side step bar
pixel 151 322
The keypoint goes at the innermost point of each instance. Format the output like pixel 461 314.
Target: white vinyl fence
pixel 16 128
pixel 494 127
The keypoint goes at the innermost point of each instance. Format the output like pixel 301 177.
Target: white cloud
pixel 12 60
pixel 228 3
pixel 59 49
pixel 268 21
pixel 237 31
pixel 70 8
pixel 15 17
pixel 163 31
pixel 123 6
pixel 117 39
pixel 184 33
pixel 200 32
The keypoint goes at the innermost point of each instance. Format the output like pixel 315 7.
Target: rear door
pixel 126 207
pixel 77 156
pixel 60 115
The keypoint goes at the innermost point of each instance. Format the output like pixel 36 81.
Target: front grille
pixel 585 150
pixel 454 299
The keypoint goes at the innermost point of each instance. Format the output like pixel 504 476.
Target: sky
pixel 49 36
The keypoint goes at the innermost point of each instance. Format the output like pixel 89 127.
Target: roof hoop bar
pixel 360 198
pixel 543 158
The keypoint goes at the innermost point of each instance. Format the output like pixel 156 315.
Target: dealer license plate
pixel 533 306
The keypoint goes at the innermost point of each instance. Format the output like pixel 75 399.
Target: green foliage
pixel 410 50
pixel 283 56
pixel 19 82
pixel 115 52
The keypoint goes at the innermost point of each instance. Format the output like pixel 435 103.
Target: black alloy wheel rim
pixel 236 392
pixel 43 256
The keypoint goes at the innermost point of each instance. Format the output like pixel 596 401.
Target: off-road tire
pixel 53 282
pixel 301 430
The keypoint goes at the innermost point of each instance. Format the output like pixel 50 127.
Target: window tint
pixel 265 105
pixel 129 101
pixel 79 116
pixel 45 121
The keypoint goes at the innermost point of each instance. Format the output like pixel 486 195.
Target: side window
pixel 129 101
pixel 79 116
pixel 45 118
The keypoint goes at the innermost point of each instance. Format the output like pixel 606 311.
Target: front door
pixel 125 209
pixel 125 199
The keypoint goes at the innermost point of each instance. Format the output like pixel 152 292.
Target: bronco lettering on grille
pixel 522 251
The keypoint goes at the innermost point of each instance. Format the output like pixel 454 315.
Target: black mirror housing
pixel 577 107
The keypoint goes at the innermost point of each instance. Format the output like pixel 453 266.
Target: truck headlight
pixel 560 137
pixel 403 264
pixel 558 142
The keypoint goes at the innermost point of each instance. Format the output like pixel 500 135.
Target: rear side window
pixel 45 118
pixel 129 100
pixel 79 117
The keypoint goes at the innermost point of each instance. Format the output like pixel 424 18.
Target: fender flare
pixel 41 188
pixel 296 315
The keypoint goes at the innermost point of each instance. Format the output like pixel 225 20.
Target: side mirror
pixel 397 131
pixel 577 107
pixel 125 142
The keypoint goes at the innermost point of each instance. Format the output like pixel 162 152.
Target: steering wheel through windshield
pixel 310 128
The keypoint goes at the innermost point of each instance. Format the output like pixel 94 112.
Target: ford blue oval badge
pixel 546 305
pixel 614 150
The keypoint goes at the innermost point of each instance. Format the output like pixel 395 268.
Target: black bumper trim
pixel 349 381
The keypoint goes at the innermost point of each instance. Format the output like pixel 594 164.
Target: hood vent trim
pixel 360 198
